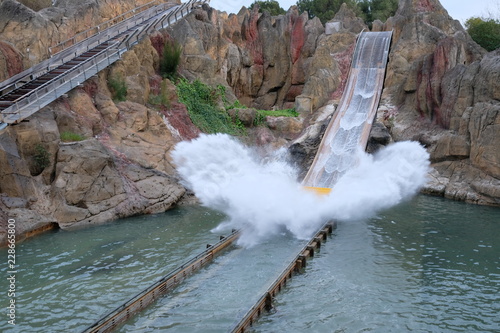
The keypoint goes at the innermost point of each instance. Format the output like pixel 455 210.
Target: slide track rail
pixel 74 61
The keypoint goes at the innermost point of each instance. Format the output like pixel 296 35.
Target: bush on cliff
pixel 260 119
pixel 162 97
pixel 202 102
pixel 171 58
pixel 68 136
pixel 41 158
pixel 118 88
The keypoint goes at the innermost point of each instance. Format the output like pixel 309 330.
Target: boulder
pixel 379 137
pixel 245 115
pixel 349 20
pixel 93 189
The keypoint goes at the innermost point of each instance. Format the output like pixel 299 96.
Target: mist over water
pixel 262 196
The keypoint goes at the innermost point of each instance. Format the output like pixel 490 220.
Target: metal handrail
pixel 157 15
pixel 79 48
pixel 98 28
pixel 182 10
pixel 64 78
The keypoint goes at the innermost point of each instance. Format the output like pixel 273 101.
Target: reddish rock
pixel 424 6
pixel 158 42
pixel 10 61
pixel 250 33
pixel 297 36
pixel 178 117
pixel 293 92
pixel 344 62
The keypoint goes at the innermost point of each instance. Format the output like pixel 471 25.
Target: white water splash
pixel 263 198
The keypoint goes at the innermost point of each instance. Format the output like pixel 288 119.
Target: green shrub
pixel 162 98
pixel 118 88
pixel 260 118
pixel 201 101
pixel 41 158
pixel 70 137
pixel 279 113
pixel 171 58
pixel 236 105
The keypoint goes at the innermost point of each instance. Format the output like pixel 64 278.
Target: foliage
pixel 485 32
pixel 118 88
pixel 171 58
pixel 377 9
pixel 202 101
pixel 162 98
pixel 236 105
pixel 325 10
pixel 71 137
pixel 272 6
pixel 369 10
pixel 41 158
pixel 279 113
pixel 36 5
pixel 262 114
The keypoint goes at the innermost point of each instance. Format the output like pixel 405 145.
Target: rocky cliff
pixel 120 168
pixel 441 89
pixel 27 35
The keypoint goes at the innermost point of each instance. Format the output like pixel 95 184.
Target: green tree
pixel 485 32
pixel 272 6
pixel 325 10
pixel 377 9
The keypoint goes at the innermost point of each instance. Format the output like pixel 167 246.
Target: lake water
pixel 429 265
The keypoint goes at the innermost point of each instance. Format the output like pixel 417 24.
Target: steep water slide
pixel 351 124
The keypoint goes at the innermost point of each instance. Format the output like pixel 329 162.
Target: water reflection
pixel 68 280
pixel 429 265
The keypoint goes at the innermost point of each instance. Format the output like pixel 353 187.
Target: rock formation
pixel 121 168
pixel 443 91
pixel 32 34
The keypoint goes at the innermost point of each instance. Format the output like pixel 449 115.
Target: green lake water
pixel 429 265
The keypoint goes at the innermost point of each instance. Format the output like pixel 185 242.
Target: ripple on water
pixel 412 268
